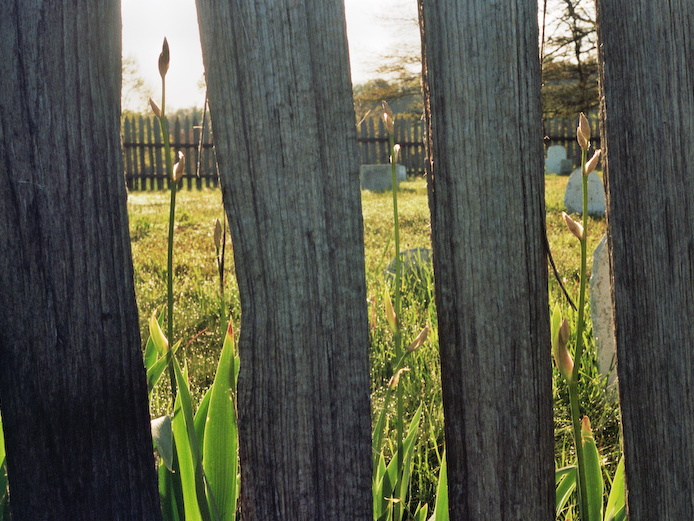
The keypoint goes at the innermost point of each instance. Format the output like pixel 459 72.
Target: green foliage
pixel 404 95
pixel 201 329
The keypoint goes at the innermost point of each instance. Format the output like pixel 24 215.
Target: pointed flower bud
pixel 583 132
pixel 164 59
pixel 218 234
pixel 388 117
pixel 396 154
pixel 421 338
pixel 593 162
pixel 573 226
pixel 155 108
pixel 586 431
pixel 560 351
pixel 179 167
pixel 390 313
pixel 395 379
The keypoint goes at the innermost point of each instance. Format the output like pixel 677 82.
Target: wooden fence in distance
pixel 143 153
pixel 143 148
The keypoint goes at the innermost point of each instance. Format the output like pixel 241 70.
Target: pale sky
pixel 147 22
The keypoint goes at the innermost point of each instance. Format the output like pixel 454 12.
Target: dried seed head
pixel 217 234
pixel 583 132
pixel 421 338
pixel 395 379
pixel 573 226
pixel 388 117
pixel 590 165
pixel 396 154
pixel 164 58
pixel 560 352
pixel 155 108
pixel 179 167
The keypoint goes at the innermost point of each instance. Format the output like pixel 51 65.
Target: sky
pixel 374 28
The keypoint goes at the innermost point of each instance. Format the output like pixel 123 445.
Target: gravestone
pixel 566 166
pixel 555 155
pixel 417 274
pixel 415 264
pixel 601 311
pixel 573 198
pixel 379 178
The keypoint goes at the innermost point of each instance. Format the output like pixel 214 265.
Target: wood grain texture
pixel 647 79
pixel 72 383
pixel 280 101
pixel 482 101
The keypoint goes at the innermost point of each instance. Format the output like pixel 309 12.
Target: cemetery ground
pixel 198 323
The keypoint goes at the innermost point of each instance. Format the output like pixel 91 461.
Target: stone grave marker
pixel 573 198
pixel 378 178
pixel 601 311
pixel 566 166
pixel 555 155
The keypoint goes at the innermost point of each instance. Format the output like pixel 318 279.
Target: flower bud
pixel 560 351
pixel 586 431
pixel 395 379
pixel 573 226
pixel 590 165
pixel 421 338
pixel 583 132
pixel 164 59
pixel 218 234
pixel 390 314
pixel 155 108
pixel 179 167
pixel 396 154
pixel 388 117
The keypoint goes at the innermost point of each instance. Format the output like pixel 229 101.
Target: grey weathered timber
pixel 482 85
pixel 647 77
pixel 72 382
pixel 280 101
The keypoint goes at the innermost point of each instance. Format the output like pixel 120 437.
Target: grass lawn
pixel 197 307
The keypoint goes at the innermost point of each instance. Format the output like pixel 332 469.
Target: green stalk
pixel 578 354
pixel 163 123
pixel 397 335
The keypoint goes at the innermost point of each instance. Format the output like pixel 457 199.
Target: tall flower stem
pixel 397 337
pixel 576 415
pixel 163 124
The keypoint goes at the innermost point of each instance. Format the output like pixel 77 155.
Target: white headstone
pixel 601 311
pixel 555 155
pixel 379 178
pixel 566 166
pixel 573 199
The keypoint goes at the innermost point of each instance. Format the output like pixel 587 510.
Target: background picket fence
pixel 143 149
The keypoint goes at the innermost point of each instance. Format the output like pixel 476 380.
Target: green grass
pixel 198 323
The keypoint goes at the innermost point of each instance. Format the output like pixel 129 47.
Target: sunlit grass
pixel 197 305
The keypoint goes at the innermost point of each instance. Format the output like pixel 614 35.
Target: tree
pixel 647 68
pixel 72 383
pixel 404 96
pixel 280 100
pixel 135 93
pixel 569 60
pixel 481 71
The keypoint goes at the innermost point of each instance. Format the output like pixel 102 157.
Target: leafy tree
pixel 569 59
pixel 135 92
